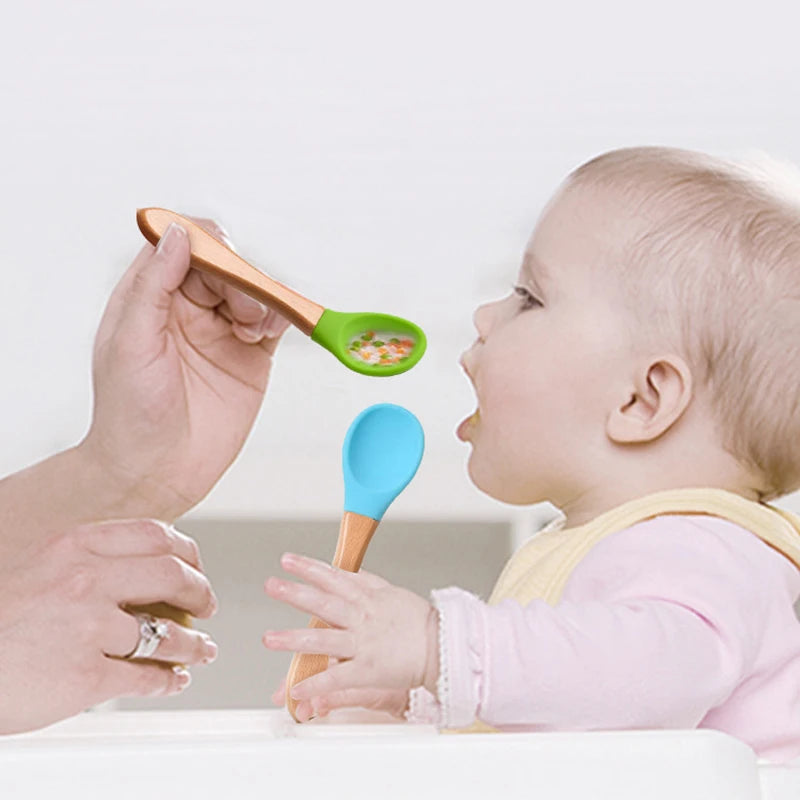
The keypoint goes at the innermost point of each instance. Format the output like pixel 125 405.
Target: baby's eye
pixel 527 300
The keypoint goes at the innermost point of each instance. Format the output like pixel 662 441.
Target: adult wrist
pixel 116 491
pixel 59 492
pixel 70 488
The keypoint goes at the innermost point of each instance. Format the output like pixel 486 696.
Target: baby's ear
pixel 660 393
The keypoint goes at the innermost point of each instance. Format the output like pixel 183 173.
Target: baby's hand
pixel 385 637
pixel 390 701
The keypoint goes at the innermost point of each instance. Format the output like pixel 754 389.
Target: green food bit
pixel 394 340
pixel 378 343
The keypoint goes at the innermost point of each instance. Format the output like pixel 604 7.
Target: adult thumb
pixel 154 279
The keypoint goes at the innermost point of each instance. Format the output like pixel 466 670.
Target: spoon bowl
pixel 372 344
pixel 382 450
pixel 356 339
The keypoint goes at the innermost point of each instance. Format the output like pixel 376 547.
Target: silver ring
pixel 151 633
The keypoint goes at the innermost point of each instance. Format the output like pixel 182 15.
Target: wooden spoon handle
pixel 212 256
pixel 355 533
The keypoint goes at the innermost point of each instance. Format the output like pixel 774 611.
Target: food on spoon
pixel 381 348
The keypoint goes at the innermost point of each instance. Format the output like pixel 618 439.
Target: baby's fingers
pixel 339 582
pixel 320 641
pixel 279 695
pixel 392 701
pixel 327 607
pixel 334 679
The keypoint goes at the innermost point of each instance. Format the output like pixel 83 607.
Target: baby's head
pixel 652 340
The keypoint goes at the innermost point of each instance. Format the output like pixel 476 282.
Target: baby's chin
pixel 499 486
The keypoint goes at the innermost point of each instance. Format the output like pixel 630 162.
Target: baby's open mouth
pixel 465 428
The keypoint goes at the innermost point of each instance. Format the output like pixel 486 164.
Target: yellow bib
pixel 541 567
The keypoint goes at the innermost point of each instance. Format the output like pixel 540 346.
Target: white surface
pixel 261 754
pixel 343 144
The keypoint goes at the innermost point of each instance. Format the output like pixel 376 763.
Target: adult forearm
pixel 69 488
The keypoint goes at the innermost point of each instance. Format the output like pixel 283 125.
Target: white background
pixel 376 156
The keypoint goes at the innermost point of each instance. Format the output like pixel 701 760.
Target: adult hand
pixel 181 362
pixel 65 630
pixel 384 637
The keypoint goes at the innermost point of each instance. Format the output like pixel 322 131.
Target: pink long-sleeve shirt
pixel 676 622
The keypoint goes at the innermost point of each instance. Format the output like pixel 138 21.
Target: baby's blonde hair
pixel 713 262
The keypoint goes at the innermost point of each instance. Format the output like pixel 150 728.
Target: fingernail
pixel 169 526
pixel 170 238
pixel 275 325
pixel 184 676
pixel 212 652
pixel 249 334
pixel 254 304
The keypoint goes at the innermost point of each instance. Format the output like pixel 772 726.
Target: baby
pixel 642 376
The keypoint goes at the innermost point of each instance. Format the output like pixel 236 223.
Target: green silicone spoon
pixel 369 343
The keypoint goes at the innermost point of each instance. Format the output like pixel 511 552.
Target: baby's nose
pixel 482 319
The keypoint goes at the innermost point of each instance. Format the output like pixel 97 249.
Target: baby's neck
pixel 726 473
pixel 582 513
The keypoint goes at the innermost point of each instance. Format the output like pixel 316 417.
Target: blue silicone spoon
pixel 382 450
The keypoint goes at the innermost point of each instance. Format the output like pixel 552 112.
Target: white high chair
pixel 264 754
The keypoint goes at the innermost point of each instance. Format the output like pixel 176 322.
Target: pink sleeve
pixel 656 626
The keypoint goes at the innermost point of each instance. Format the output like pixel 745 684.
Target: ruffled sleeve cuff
pixel 462 664
pixel 423 708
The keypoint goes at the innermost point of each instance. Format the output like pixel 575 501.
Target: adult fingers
pixel 324 641
pixel 274 327
pixel 140 580
pixel 153 275
pixel 141 679
pixel 196 288
pixel 333 610
pixel 247 314
pixel 251 321
pixel 210 291
pixel 214 228
pixel 180 645
pixel 117 302
pixel 149 288
pixel 138 537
